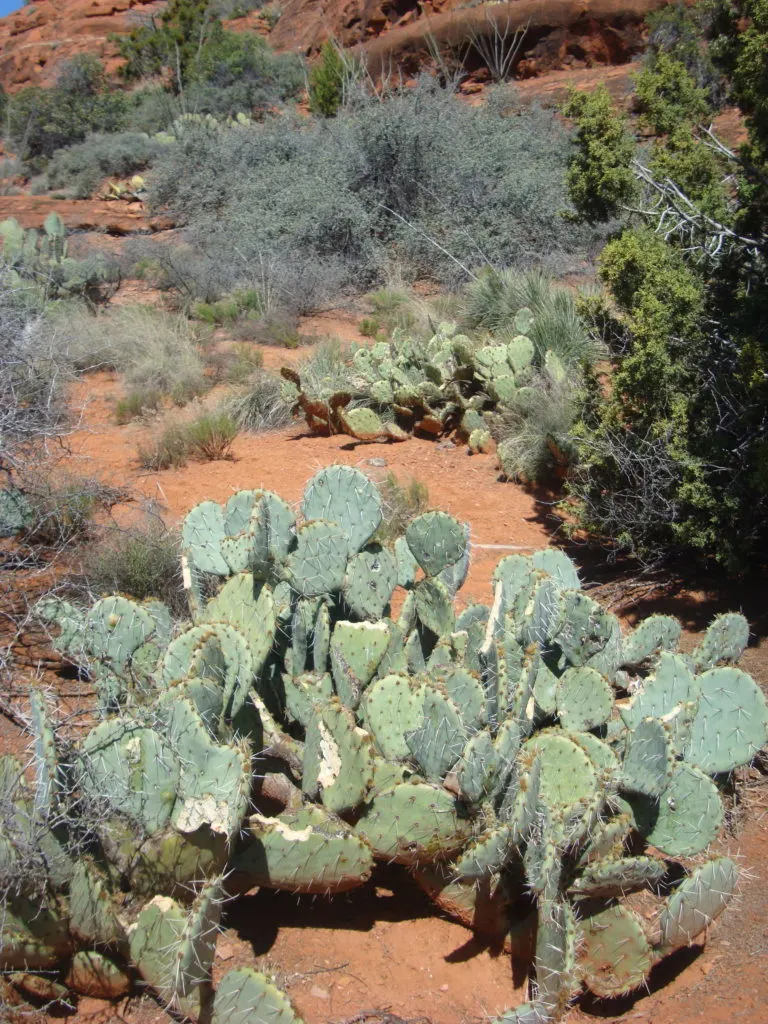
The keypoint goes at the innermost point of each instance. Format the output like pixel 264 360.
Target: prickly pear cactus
pixel 327 708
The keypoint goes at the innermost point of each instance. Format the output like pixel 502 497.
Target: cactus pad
pixel 304 851
pixel 369 583
pixel 725 640
pixel 318 563
pixel 436 540
pixel 245 996
pixel 614 955
pixel 413 822
pixel 697 902
pixel 687 816
pixel 731 721
pixel 391 708
pixel 345 496
pixel 338 758
pixel 357 649
pixel 584 699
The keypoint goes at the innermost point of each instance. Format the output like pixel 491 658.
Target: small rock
pixel 378 462
pixel 318 993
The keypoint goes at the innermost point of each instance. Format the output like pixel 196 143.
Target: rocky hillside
pixel 561 34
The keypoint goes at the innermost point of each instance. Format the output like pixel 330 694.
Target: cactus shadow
pixel 662 975
pixel 390 896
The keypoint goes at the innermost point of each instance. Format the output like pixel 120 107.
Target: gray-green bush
pixel 405 179
pixel 83 167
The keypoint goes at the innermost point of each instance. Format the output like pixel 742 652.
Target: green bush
pixel 169 449
pixel 135 404
pixel 532 434
pixel 141 561
pixel 667 97
pixel 401 502
pixel 40 121
pixel 210 436
pixel 84 166
pixel 327 80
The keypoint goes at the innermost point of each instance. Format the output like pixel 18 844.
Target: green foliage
pixel 40 121
pixel 135 404
pixel 484 751
pixel 328 78
pixel 141 561
pixel 667 96
pixel 83 167
pixel 172 42
pixel 207 438
pixel 599 177
pixel 672 455
pixel 401 502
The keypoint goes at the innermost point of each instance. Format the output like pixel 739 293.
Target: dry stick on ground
pixel 384 1016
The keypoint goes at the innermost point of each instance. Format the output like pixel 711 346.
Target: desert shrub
pixel 492 301
pixel 667 96
pixel 83 167
pixel 152 349
pixel 258 405
pixel 210 435
pixel 141 561
pixel 135 404
pixel 532 431
pixel 167 449
pixel 33 378
pixel 369 327
pixel 40 121
pixel 326 206
pixel 401 502
pixel 63 506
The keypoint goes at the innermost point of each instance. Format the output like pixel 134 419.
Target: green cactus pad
pixel 687 817
pixel 545 689
pixel 413 823
pixel 391 708
pixel 44 755
pixel 92 913
pixel 407 566
pixel 487 855
pixel 614 955
pixel 567 773
pixel 362 424
pixel 654 634
pixel 33 935
pixel 436 540
pixel 539 612
pixel 673 684
pixel 214 783
pixel 726 640
pixel 249 606
pixel 584 699
pixel 304 693
pixel 613 878
pixel 520 349
pixel 553 366
pixel 271 529
pixel 345 496
pixel 439 741
pixel 304 851
pixel 455 576
pixel 731 721
pixel 434 606
pixel 369 583
pixel 173 949
pixel 477 769
pixel 466 691
pixel 648 759
pixel 115 627
pixel 132 769
pixel 607 840
pixel 587 628
pixel 357 649
pixel 244 996
pixel 555 957
pixel 557 565
pixel 338 758
pixel 507 745
pixel 318 563
pixel 696 903
pixel 202 532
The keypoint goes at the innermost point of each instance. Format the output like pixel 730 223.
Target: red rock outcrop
pixel 38 38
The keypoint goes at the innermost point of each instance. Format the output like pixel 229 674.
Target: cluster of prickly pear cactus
pixel 446 385
pixel 39 259
pixel 532 767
